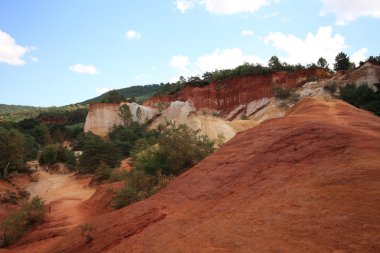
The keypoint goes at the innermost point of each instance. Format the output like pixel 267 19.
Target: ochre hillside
pixel 306 182
pixel 226 95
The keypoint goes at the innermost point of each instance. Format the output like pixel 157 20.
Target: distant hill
pixel 140 93
pixel 18 112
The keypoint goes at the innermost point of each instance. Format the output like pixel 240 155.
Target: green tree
pixel 138 113
pixel 114 96
pixel 125 114
pixel 178 148
pixel 322 62
pixel 97 150
pixel 15 149
pixel 275 64
pixel 56 153
pixel 342 62
pixel 49 154
pixel 103 171
pixel 362 96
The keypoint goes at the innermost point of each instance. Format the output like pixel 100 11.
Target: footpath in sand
pixel 63 195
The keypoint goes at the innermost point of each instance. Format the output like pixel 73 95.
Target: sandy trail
pixel 63 195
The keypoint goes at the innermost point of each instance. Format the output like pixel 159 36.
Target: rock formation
pixel 102 117
pixel 306 182
pixel 226 95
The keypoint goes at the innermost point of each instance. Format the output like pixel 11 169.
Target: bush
pixel 281 93
pixel 97 150
pixel 56 153
pixel 178 148
pixel 103 171
pixel 330 88
pixel 244 117
pixel 21 221
pixel 362 96
pixel 15 149
pixel 139 186
pixel 86 231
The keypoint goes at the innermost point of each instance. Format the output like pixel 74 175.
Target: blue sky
pixel 63 52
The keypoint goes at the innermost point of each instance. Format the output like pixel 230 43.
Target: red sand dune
pixel 307 182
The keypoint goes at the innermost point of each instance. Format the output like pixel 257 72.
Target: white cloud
pixel 219 59
pixel 179 62
pixel 10 52
pixel 184 5
pixel 225 59
pixel 271 15
pixel 349 10
pixel 34 59
pixel 246 33
pixel 308 50
pixel 84 69
pixel 359 56
pixel 132 35
pixel 102 90
pixel 228 7
pixel 222 7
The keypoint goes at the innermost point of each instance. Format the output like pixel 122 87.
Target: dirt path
pixel 63 195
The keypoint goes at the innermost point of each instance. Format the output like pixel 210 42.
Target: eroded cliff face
pixel 226 95
pixel 102 117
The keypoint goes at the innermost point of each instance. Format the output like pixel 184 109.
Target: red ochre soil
pixel 307 182
pixel 226 94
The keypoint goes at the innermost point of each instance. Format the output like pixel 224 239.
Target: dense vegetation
pixel 362 96
pixel 15 149
pixel 18 112
pixel 139 93
pixel 158 158
pixel 21 221
pixel 21 141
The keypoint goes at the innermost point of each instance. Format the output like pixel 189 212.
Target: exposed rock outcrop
pixel 226 95
pixel 306 182
pixel 102 117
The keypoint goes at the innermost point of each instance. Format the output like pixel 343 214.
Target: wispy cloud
pixel 222 7
pixel 132 35
pixel 34 59
pixel 247 33
pixel 349 10
pixel 179 62
pixel 323 44
pixel 84 69
pixel 102 90
pixel 10 52
pixel 184 5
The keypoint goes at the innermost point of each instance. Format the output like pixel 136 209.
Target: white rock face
pixel 214 127
pixel 256 105
pixel 146 112
pixel 102 117
pixel 178 111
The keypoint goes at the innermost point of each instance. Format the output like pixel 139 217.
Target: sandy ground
pixel 63 195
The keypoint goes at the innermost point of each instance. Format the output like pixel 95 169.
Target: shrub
pixel 97 150
pixel 330 88
pixel 103 171
pixel 21 221
pixel 55 153
pixel 281 93
pixel 178 148
pixel 244 117
pixel 86 231
pixel 362 96
pixel 139 186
